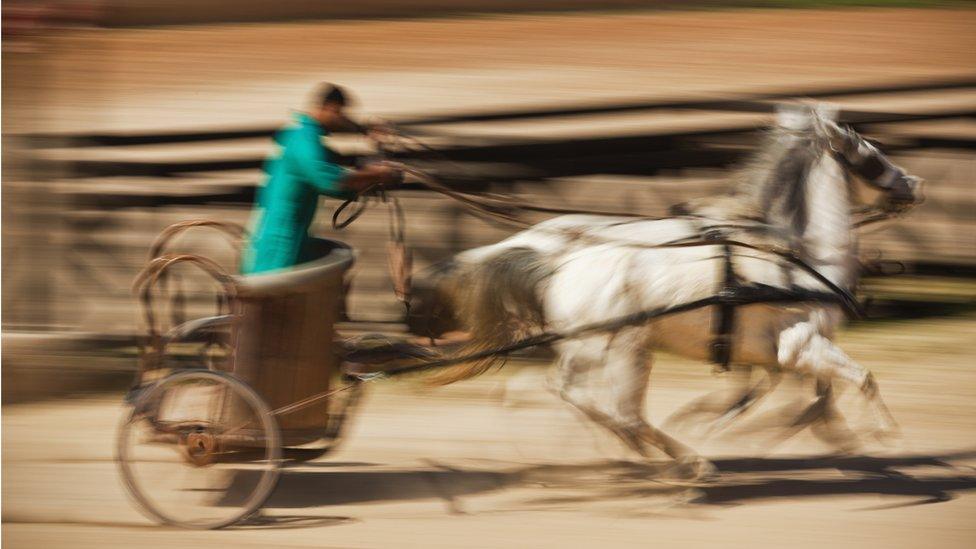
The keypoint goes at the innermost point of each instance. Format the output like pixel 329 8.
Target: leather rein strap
pixel 724 321
pixel 732 292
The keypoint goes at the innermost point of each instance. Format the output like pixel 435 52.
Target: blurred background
pixel 122 117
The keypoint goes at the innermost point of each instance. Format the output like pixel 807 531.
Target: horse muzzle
pixel 903 194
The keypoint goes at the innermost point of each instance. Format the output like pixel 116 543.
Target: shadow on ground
pixel 923 478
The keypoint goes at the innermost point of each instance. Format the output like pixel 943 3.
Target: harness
pixel 732 292
pixel 724 320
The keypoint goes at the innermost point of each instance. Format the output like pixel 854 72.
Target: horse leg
pixel 814 354
pixel 571 370
pixel 572 367
pixel 716 404
pixel 748 398
pixel 628 369
pixel 831 427
pixel 725 410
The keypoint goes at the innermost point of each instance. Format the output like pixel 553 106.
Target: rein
pixel 744 295
pixel 506 211
pixel 710 238
pixel 733 292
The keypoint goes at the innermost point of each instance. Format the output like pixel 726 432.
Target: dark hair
pixel 331 93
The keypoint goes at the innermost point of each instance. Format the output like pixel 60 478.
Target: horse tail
pixel 432 312
pixel 499 300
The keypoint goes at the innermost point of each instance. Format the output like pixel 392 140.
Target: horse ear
pixel 793 116
pixel 826 115
pixel 827 111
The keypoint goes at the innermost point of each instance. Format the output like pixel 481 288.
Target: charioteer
pixel 302 169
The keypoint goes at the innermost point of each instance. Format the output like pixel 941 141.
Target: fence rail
pixel 117 190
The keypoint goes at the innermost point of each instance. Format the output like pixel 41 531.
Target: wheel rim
pixel 200 449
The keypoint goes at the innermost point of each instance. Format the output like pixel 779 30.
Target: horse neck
pixel 827 237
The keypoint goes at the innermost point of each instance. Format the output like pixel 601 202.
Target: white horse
pixel 575 270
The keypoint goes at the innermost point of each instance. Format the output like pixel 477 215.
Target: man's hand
pixel 374 174
pixel 388 174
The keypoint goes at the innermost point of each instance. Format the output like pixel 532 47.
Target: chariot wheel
pixel 199 449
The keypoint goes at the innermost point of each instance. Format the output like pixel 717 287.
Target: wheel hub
pixel 200 447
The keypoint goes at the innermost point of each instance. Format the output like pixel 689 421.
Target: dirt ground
pixel 233 75
pixel 499 461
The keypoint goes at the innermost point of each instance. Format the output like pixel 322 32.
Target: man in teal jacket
pixel 297 174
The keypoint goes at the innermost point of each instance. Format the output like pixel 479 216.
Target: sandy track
pixel 467 466
pixel 498 461
pixel 245 74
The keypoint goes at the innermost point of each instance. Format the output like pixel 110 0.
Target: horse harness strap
pixel 724 316
pixel 732 292
pixel 743 295
pixel 727 298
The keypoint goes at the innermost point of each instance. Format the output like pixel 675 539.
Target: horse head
pixel 899 191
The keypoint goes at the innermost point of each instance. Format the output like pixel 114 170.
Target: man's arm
pixel 310 159
pixel 331 179
pixel 349 125
pixel 368 176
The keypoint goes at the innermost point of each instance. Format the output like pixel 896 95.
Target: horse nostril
pixel 916 184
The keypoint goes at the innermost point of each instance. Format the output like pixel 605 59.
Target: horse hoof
pixel 705 471
pixel 887 435
pixel 694 472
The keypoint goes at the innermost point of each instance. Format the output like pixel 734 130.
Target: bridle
pixel 854 152
pixel 864 160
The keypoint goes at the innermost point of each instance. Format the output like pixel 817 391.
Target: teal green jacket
pixel 295 177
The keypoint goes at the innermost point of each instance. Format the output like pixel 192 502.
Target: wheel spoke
pixel 177 460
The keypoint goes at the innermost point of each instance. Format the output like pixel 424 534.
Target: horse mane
pixel 769 187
